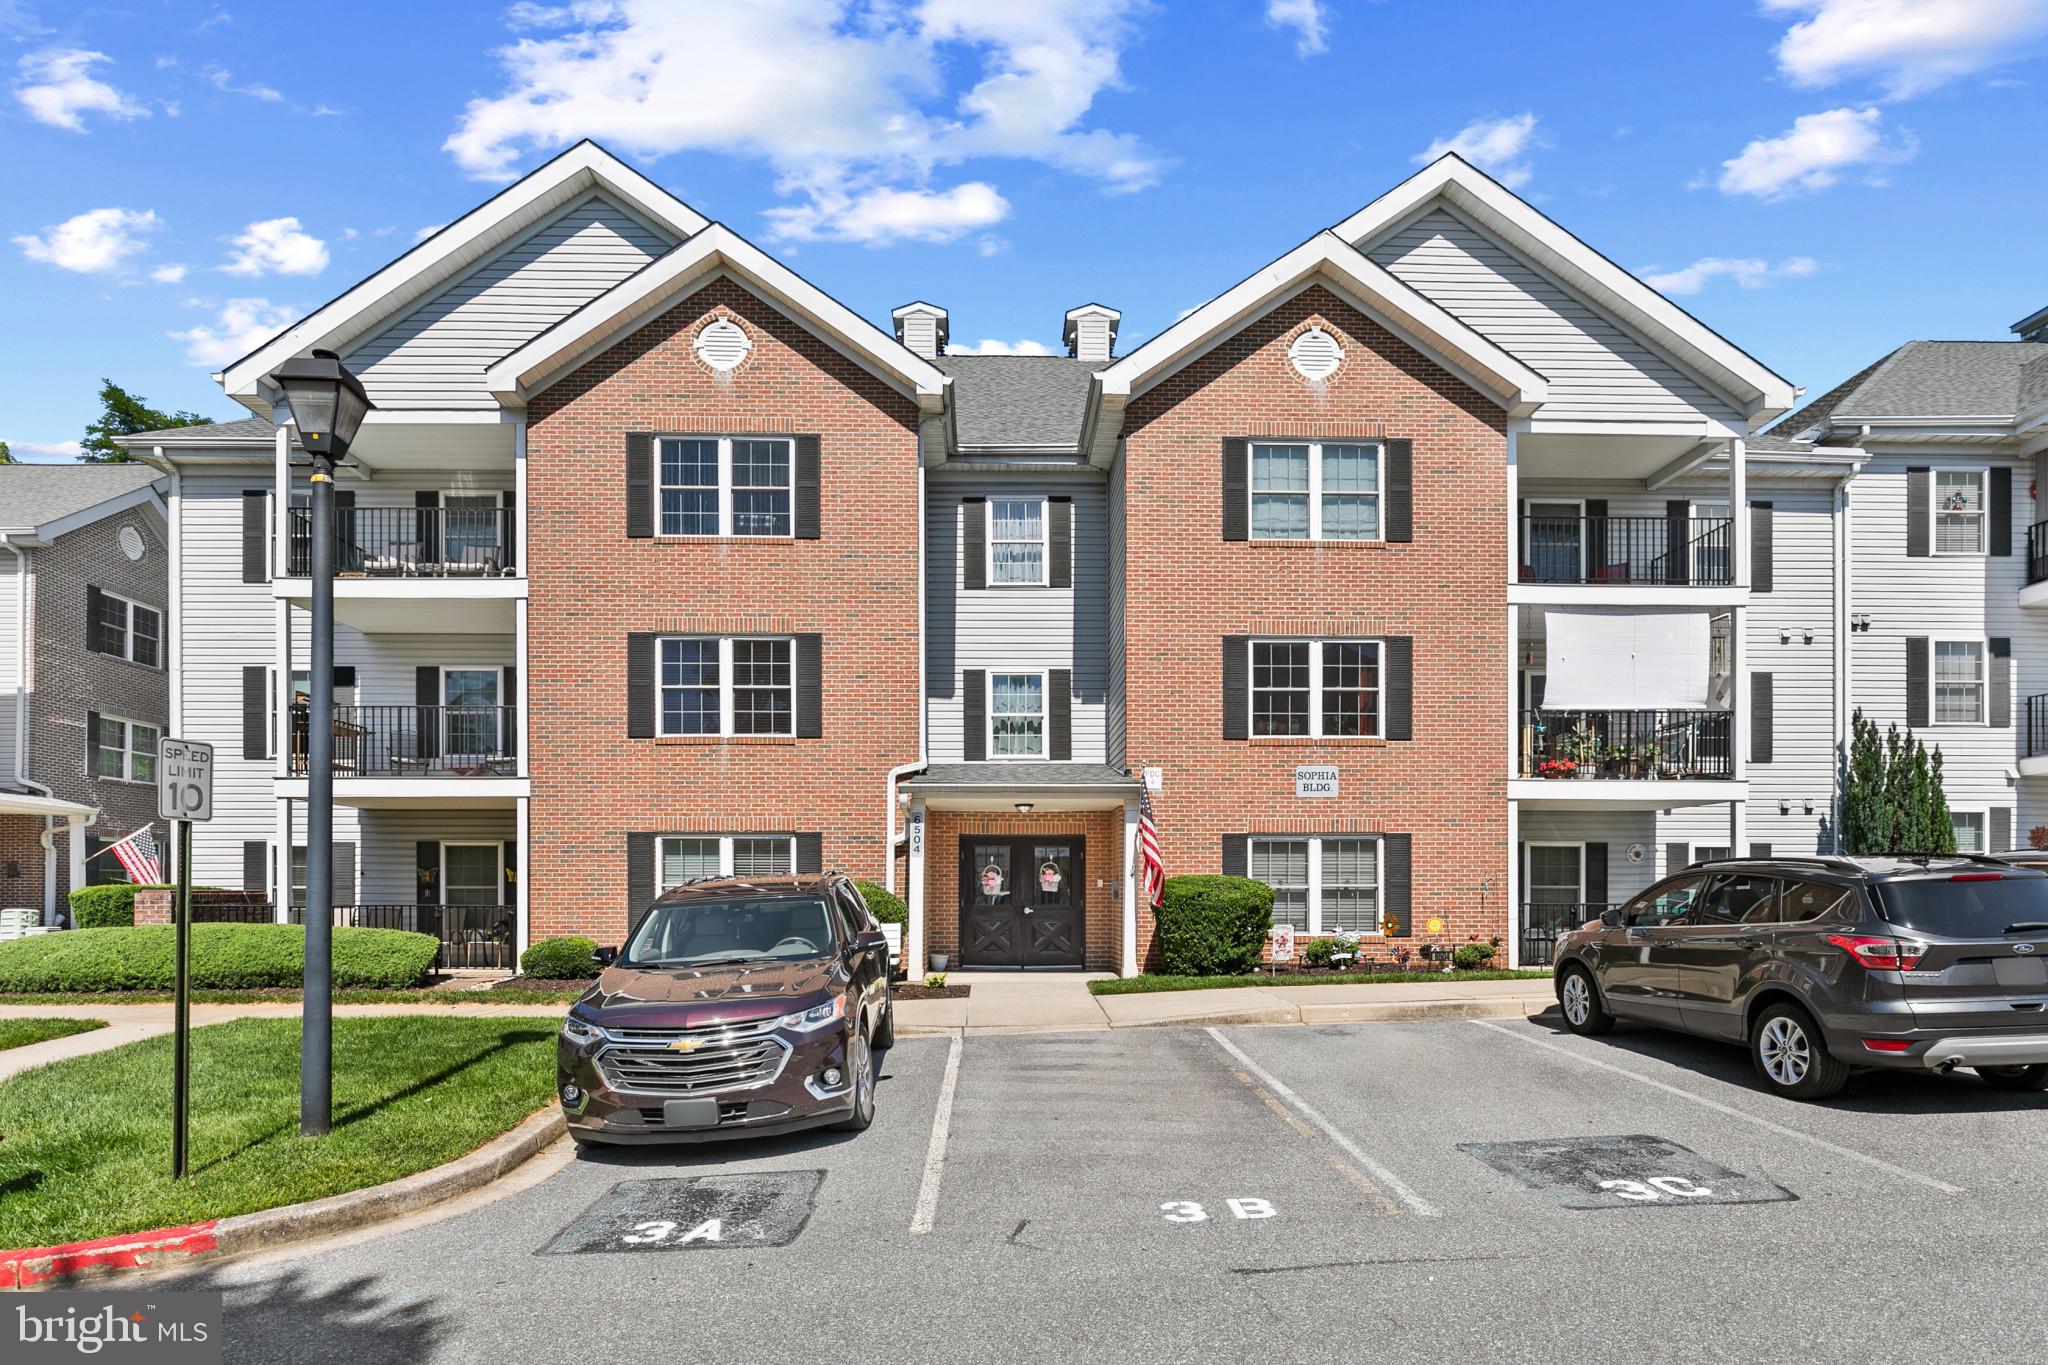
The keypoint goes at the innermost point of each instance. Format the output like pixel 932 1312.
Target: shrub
pixel 886 906
pixel 1213 926
pixel 224 957
pixel 1317 952
pixel 111 906
pixel 560 959
pixel 1472 956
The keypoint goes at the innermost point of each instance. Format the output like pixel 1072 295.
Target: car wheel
pixel 1790 1056
pixel 2014 1077
pixel 885 1032
pixel 861 1061
pixel 1579 998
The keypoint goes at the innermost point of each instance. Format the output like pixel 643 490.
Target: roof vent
pixel 1090 332
pixel 921 326
pixel 1315 354
pixel 722 345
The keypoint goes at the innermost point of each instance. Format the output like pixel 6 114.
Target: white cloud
pixel 93 242
pixel 1908 46
pixel 420 236
pixel 224 80
pixel 1748 272
pixel 239 328
pixel 57 86
pixel 277 246
pixel 1814 154
pixel 168 274
pixel 841 98
pixel 1306 18
pixel 878 217
pixel 43 450
pixel 990 346
pixel 1498 146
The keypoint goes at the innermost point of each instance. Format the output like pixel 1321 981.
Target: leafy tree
pixel 6 455
pixel 123 414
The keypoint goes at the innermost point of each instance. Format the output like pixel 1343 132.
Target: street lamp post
pixel 327 405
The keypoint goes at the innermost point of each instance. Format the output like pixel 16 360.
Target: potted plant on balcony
pixel 1556 767
pixel 1648 759
pixel 1584 747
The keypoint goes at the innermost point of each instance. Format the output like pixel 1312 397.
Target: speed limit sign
pixel 184 779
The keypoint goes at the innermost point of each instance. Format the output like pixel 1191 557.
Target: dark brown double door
pixel 1021 902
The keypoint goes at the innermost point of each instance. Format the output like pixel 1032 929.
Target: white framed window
pixel 472 873
pixel 128 630
pixel 1553 873
pixel 1959 691
pixel 1959 511
pixel 1710 853
pixel 1713 545
pixel 724 485
pixel 1316 490
pixel 683 858
pixel 1016 715
pixel 1017 555
pixel 727 685
pixel 472 722
pixel 1322 689
pixel 1973 829
pixel 1322 883
pixel 127 749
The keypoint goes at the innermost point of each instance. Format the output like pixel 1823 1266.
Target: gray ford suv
pixel 1825 965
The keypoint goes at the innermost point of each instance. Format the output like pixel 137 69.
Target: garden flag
pixel 1151 871
pixel 137 855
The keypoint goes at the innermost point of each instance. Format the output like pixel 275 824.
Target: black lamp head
pixel 327 402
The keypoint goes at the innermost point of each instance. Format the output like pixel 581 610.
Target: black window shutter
pixel 2000 710
pixel 508 531
pixel 1677 540
pixel 1059 544
pixel 640 685
pixel 810 686
pixel 255 711
pixel 1919 509
pixel 256 866
pixel 427 519
pixel 809 488
pixel 341 873
pixel 974 542
pixel 344 676
pixel 255 535
pixel 1237 858
pixel 1918 715
pixel 2001 510
pixel 1760 715
pixel 426 696
pixel 508 712
pixel 1237 508
pixel 639 879
pixel 1596 537
pixel 1676 855
pixel 94 641
pixel 974 714
pixel 1596 875
pixel 810 853
pixel 2001 829
pixel 92 744
pixel 1237 699
pixel 1397 895
pixel 348 547
pixel 1399 692
pixel 1060 712
pixel 1759 851
pixel 1399 521
pixel 1760 547
pixel 639 485
pixel 427 859
pixel 511 856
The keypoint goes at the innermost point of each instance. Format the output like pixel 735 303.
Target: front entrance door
pixel 1020 902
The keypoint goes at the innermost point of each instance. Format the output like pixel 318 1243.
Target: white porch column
pixel 48 838
pixel 1738 510
pixel 1738 829
pixel 522 896
pixel 913 938
pixel 1738 693
pixel 74 830
pixel 520 728
pixel 1129 964
pixel 1513 883
pixel 281 864
pixel 519 491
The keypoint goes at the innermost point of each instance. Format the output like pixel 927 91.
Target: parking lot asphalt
pixel 1383 1191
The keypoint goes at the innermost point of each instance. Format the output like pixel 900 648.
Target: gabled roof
pixel 1642 310
pixel 1018 402
pixel 43 501
pixel 455 248
pixel 1930 382
pixel 243 431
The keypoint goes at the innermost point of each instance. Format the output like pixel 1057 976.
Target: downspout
pixel 1843 701
pixel 903 770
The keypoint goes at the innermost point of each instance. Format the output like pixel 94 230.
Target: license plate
pixel 2019 971
pixel 690 1114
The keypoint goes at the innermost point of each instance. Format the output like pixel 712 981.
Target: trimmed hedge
pixel 111 906
pixel 886 906
pixel 1213 926
pixel 224 957
pixel 560 959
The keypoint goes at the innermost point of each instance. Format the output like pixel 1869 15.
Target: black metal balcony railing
pixel 471 935
pixel 410 542
pixel 1637 745
pixel 1543 923
pixel 415 741
pixel 2037 552
pixel 1683 551
pixel 2037 725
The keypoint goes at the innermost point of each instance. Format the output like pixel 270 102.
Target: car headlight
pixel 581 1032
pixel 816 1017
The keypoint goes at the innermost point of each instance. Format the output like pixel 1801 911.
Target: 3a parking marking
pixel 694 1213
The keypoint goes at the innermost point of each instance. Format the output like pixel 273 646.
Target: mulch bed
pixel 918 991
pixel 540 983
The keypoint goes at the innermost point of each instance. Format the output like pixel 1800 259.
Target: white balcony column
pixel 281 864
pixel 1738 829
pixel 1128 966
pixel 1515 717
pixel 1738 510
pixel 1513 883
pixel 280 508
pixel 1738 691
pixel 522 895
pixel 913 932
pixel 519 517
pixel 520 728
pixel 1514 476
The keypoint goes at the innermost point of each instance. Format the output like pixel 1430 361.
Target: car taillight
pixel 1887 1044
pixel 1978 877
pixel 1881 954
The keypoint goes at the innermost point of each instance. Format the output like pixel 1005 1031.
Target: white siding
pixel 1616 829
pixel 1114 720
pixel 1597 370
pixel 435 355
pixel 388 856
pixel 13 631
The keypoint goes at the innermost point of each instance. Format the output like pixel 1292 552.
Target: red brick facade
pixel 1186 588
pixel 857 585
pixel 21 861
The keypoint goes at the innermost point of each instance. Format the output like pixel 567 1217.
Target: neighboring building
pixel 83 602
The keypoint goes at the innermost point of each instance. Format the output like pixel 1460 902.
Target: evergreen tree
pixel 1897 820
pixel 1941 825
pixel 1914 834
pixel 6 455
pixel 1863 789
pixel 123 414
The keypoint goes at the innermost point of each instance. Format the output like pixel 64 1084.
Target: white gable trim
pixel 715 251
pixel 1662 324
pixel 147 497
pixel 489 227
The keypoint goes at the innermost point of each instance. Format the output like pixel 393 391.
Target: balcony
pixel 415 741
pixel 410 542
pixel 1543 923
pixel 1661 551
pixel 2034 741
pixel 1627 746
pixel 472 936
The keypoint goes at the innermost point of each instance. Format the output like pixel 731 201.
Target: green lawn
pixel 22 1032
pixel 87 1141
pixel 359 997
pixel 1138 985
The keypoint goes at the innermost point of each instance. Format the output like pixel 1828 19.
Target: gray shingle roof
pixel 1933 379
pixel 1019 400
pixel 1776 445
pixel 36 494
pixel 241 431
pixel 2034 380
pixel 1022 775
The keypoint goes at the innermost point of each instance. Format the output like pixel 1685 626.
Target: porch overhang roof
pixel 22 803
pixel 999 785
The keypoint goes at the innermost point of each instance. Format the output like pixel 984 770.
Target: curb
pixel 59 1266
pixel 1361 1012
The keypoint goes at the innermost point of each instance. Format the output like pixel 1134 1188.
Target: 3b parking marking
pixel 1244 1210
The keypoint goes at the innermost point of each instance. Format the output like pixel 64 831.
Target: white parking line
pixel 1415 1202
pixel 1780 1129
pixel 935 1154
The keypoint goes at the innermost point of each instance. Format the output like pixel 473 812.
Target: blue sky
pixel 1817 179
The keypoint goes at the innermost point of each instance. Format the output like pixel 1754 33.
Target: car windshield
pixel 1968 909
pixel 697 933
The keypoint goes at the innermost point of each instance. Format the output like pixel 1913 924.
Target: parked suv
pixel 735 1007
pixel 1826 965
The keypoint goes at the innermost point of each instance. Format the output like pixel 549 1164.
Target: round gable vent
pixel 131 542
pixel 722 345
pixel 1316 354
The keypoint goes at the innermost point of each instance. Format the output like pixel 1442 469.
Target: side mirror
pixel 605 957
pixel 870 941
pixel 1611 918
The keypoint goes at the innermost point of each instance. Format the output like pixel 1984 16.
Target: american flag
pixel 1151 871
pixel 137 855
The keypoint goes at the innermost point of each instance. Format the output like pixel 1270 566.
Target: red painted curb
pixel 32 1266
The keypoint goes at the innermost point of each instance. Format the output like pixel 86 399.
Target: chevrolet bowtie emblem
pixel 685 1045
